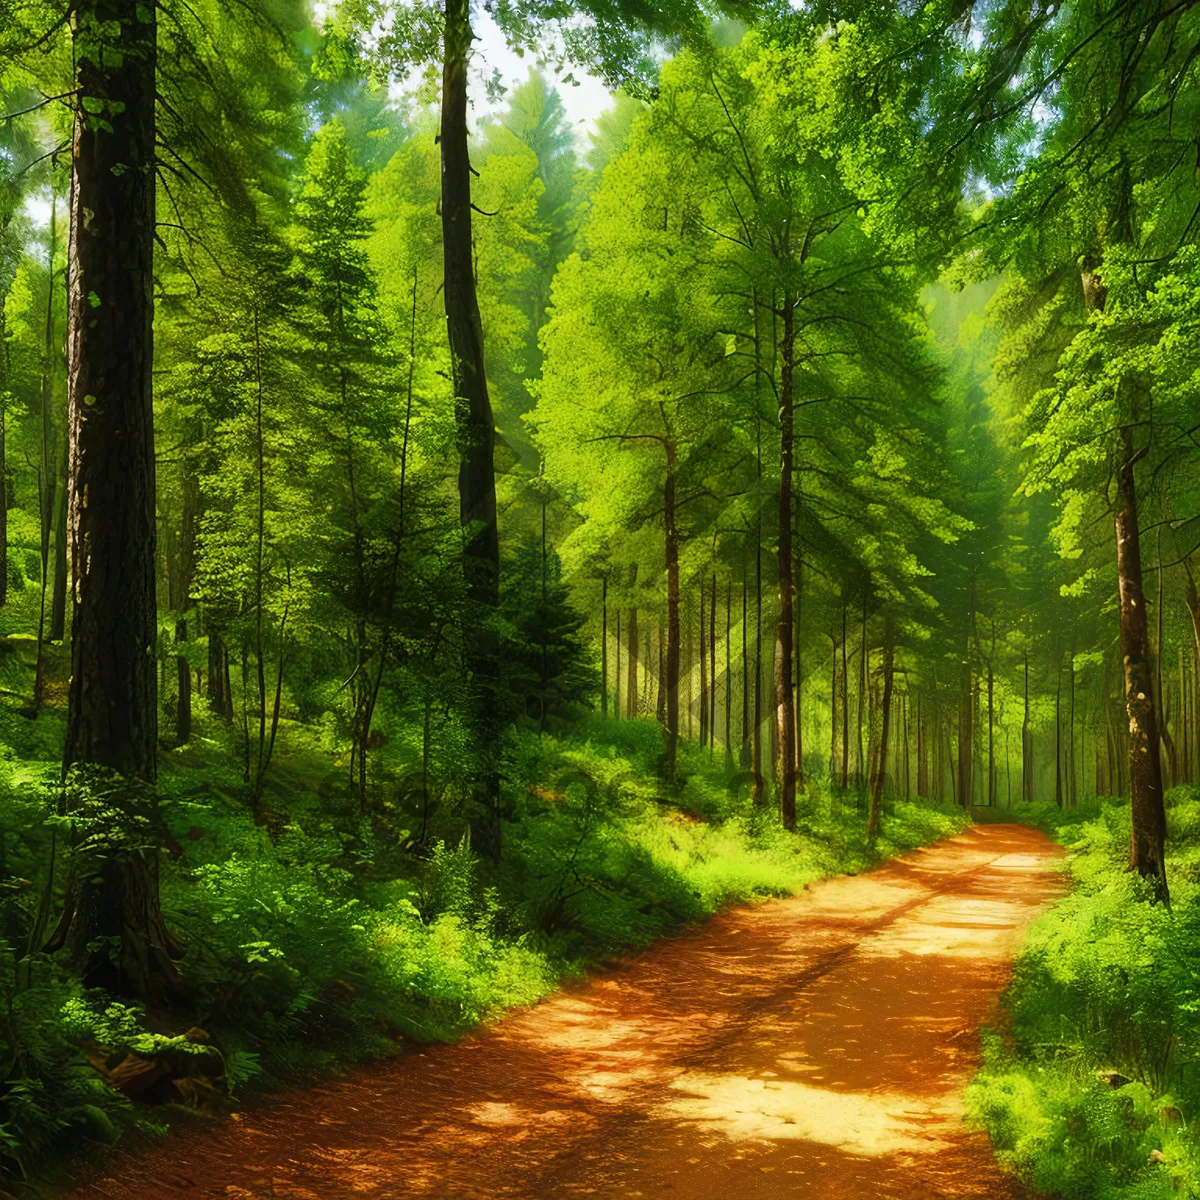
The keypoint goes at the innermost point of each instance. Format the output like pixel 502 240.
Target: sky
pixel 583 102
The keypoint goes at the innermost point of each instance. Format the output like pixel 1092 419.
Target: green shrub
pixel 1091 1090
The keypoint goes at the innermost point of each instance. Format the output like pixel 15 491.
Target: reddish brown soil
pixel 813 1047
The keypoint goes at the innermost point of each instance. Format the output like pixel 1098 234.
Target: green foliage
pixel 1092 1070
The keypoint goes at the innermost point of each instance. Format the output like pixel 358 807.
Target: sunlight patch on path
pixel 858 1123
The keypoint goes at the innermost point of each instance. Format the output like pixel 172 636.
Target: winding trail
pixel 813 1047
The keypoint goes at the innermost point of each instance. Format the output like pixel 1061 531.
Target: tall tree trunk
pixel 1149 825
pixel 58 595
pixel 476 428
pixel 48 483
pixel 672 561
pixel 112 924
pixel 991 684
pixel 220 693
pixel 845 703
pixel 184 562
pixel 1026 743
pixel 876 813
pixel 966 732
pixel 922 752
pixel 864 684
pixel 1167 753
pixel 784 703
pixel 729 674
pixel 1058 782
pixel 703 669
pixel 756 764
pixel 1071 789
pixel 617 673
pixel 799 670
pixel 631 683
pixel 712 667
pixel 604 647
pixel 661 704
pixel 745 755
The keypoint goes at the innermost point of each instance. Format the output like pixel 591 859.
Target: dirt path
pixel 812 1047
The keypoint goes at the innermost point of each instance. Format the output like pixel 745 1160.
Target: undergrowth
pixel 323 935
pixel 1091 1081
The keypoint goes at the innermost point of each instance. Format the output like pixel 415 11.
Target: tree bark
pixel 58 595
pixel 631 683
pixel 799 670
pixel 873 821
pixel 604 647
pixel 1026 744
pixel 703 668
pixel 476 428
pixel 991 685
pixel 184 562
pixel 1149 823
pixel 671 536
pixel 729 674
pixel 48 483
pixel 112 715
pixel 745 755
pixel 712 667
pixel 966 732
pixel 922 753
pixel 784 704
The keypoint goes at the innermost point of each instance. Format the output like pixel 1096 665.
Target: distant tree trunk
pixel 58 595
pixel 1192 599
pixel 617 673
pixel 703 668
pixel 937 779
pixel 1167 752
pixel 991 734
pixel 904 712
pixel 112 923
pixel 220 693
pixel 647 673
pixel 1058 785
pixel 476 428
pixel 184 562
pixel 845 703
pixel 1026 744
pixel 784 703
pixel 1072 793
pixel 799 668
pixel 756 763
pixel 1149 826
pixel 672 561
pixel 1185 757
pixel 863 694
pixel 922 753
pixel 48 488
pixel 604 647
pixel 1007 772
pixel 631 684
pixel 876 813
pixel 745 755
pixel 833 715
pixel 966 732
pixel 729 674
pixel 660 708
pixel 712 667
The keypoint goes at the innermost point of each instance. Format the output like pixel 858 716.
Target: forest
pixel 459 541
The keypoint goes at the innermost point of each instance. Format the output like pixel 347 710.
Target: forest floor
pixel 815 1046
